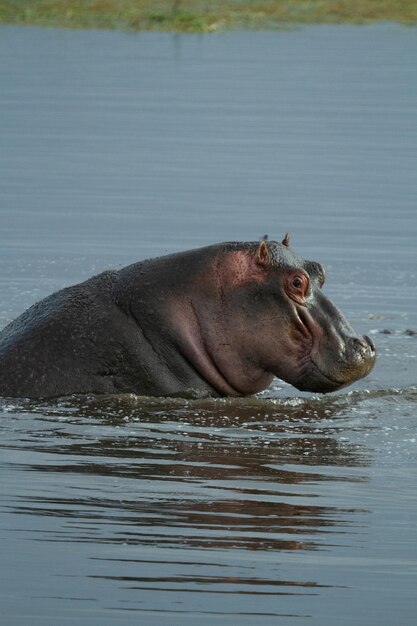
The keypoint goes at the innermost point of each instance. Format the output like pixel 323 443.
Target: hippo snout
pixel 358 360
pixel 328 372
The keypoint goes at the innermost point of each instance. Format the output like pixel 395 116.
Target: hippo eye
pixel 297 286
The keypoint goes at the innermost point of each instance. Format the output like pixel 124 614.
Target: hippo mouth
pixel 333 382
pixel 315 380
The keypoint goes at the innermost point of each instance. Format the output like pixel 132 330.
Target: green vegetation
pixel 200 16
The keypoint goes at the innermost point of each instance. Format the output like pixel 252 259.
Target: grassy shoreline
pixel 200 16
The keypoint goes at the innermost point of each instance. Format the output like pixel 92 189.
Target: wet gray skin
pixel 216 321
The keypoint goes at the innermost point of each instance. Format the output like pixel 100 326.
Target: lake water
pixel 286 508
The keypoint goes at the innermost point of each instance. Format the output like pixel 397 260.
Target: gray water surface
pixel 285 508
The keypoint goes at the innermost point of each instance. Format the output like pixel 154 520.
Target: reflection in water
pixel 175 497
pixel 227 475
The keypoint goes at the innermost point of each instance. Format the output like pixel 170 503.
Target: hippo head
pixel 326 353
pixel 273 319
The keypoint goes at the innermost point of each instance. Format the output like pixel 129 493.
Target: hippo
pixel 222 320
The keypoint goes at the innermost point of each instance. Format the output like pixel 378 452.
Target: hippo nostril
pixel 371 344
pixel 364 345
pixel 359 343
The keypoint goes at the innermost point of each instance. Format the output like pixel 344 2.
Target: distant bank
pixel 201 16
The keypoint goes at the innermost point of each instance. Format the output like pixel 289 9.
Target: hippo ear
pixel 262 255
pixel 286 240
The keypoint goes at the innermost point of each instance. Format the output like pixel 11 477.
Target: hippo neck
pixel 204 326
pixel 190 342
